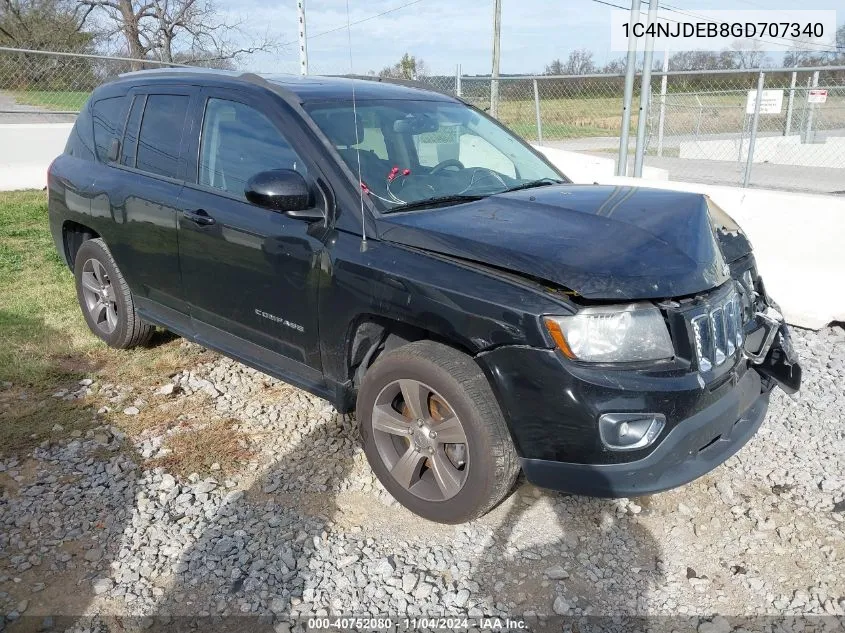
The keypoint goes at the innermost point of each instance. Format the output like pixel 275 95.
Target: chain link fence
pixel 699 123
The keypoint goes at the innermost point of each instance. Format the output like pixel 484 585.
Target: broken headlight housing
pixel 613 334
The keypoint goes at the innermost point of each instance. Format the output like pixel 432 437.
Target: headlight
pixel 613 334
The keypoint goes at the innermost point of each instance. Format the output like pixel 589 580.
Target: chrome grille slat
pixel 718 332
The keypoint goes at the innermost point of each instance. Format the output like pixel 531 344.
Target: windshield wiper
pixel 436 201
pixel 542 182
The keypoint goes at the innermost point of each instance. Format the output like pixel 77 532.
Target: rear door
pixel 250 274
pixel 149 178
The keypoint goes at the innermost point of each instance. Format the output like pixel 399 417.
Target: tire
pixel 114 320
pixel 475 478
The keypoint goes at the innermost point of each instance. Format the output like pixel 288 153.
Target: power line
pixel 372 17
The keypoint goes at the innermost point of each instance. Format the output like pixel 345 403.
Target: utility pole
pixel 303 40
pixel 645 92
pixel 497 34
pixel 630 71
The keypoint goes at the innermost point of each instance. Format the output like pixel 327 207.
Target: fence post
pixel 537 113
pixel 664 82
pixel 789 104
pixel 645 91
pixel 761 81
pixel 458 87
pixel 811 110
pixel 630 72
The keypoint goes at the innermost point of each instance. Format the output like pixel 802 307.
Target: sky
pixel 445 33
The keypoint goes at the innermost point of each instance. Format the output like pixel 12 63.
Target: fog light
pixel 630 431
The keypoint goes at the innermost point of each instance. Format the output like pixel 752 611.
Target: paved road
pixel 717 172
pixel 13 112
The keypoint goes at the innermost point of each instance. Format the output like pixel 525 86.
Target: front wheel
pixel 434 434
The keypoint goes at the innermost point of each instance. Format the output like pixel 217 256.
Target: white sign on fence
pixel 771 103
pixel 817 96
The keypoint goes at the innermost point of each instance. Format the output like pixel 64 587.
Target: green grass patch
pixel 61 100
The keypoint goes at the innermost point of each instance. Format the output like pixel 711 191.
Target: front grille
pixel 718 331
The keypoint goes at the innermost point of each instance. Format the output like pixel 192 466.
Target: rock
pixel 560 606
pixel 166 390
pixel 205 487
pixel 384 567
pixel 86 382
pixel 409 581
pixel 462 598
pixel 102 585
pixel 725 491
pixel 716 625
pixel 281 627
pixel 131 411
pixel 58 428
pixel 557 572
pixel 94 554
pixel 22 606
pixel 168 482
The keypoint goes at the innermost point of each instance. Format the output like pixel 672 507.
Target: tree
pixel 409 67
pixel 579 62
pixel 555 68
pixel 615 66
pixel 53 25
pixel 747 54
pixel 190 31
pixel 57 25
pixel 702 60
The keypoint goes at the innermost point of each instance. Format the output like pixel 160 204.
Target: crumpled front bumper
pixel 694 447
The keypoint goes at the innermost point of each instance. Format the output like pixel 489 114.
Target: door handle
pixel 200 216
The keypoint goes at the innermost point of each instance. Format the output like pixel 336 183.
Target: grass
pixel 46 344
pixel 196 450
pixel 61 100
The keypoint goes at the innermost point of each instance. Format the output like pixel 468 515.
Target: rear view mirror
pixel 416 124
pixel 279 189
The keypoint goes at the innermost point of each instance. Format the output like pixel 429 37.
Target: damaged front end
pixel 766 341
pixel 768 345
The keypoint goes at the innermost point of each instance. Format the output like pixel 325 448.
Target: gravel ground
pixel 89 527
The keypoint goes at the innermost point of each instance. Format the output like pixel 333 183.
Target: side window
pixel 80 143
pixel 160 138
pixel 239 142
pixel 130 140
pixel 108 124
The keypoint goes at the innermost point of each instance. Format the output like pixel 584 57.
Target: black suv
pixel 401 254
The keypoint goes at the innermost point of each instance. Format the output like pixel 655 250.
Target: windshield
pixel 416 151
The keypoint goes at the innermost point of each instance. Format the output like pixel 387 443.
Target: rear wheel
pixel 433 433
pixel 105 298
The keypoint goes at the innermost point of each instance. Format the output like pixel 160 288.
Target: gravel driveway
pixel 88 528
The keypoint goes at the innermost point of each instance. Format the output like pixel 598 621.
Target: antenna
pixel 357 140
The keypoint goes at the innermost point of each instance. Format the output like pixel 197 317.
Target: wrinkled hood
pixel 603 242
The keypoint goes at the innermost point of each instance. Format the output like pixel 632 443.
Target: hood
pixel 603 242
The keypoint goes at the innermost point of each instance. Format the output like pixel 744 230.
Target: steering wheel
pixel 449 162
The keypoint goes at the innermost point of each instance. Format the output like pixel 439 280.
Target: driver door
pixel 249 273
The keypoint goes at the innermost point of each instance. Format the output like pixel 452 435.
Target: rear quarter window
pixel 108 115
pixel 80 143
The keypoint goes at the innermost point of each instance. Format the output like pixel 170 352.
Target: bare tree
pixel 190 31
pixel 748 54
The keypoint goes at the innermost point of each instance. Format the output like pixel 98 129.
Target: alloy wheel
pixel 99 296
pixel 421 440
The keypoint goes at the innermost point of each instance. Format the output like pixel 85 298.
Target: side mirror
pixel 281 190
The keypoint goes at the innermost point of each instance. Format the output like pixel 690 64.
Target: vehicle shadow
pixel 566 562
